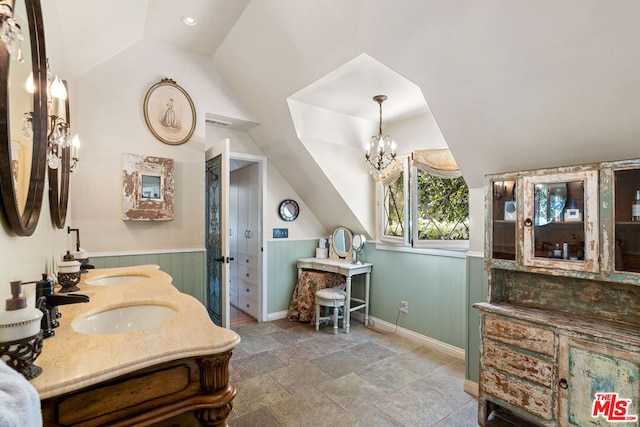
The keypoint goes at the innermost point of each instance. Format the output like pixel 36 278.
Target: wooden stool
pixel 330 297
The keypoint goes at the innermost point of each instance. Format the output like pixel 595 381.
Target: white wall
pixel 278 189
pixel 26 258
pixel 107 111
pixel 476 220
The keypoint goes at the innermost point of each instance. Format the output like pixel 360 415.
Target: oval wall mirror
pixel 342 241
pixel 59 177
pixel 23 121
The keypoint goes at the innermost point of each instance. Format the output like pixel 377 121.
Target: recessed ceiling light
pixel 189 20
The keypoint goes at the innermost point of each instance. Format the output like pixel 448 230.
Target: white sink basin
pixel 117 280
pixel 121 320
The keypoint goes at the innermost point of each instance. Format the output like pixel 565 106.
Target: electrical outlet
pixel 404 306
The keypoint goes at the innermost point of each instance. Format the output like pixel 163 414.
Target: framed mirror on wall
pixel 23 115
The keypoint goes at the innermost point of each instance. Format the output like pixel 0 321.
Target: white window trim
pixel 410 239
pixel 456 245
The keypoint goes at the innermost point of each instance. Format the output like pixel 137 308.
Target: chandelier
pixel 381 149
pixel 10 32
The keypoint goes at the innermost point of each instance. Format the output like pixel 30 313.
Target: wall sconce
pixel 59 135
pixel 499 189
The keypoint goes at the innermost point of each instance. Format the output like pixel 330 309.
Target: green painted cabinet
pixel 560 332
pixel 600 383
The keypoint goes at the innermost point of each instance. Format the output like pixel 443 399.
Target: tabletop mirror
pixel 358 246
pixel 23 115
pixel 341 244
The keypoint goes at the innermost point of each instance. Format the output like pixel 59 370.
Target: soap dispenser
pixel 20 337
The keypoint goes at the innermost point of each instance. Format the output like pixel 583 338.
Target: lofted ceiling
pixel 511 85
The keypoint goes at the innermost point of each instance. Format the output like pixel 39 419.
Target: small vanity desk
pixel 345 266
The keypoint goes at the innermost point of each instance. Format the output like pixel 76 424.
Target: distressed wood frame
pixel 135 207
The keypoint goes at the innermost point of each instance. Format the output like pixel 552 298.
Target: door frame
pixel 262 232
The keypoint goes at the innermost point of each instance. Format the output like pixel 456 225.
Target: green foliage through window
pixel 443 208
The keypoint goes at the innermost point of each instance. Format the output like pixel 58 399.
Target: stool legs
pixel 317 317
pixel 335 320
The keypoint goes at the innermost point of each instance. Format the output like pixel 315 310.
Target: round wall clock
pixel 289 210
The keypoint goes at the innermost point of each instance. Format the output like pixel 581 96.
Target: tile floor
pixel 287 374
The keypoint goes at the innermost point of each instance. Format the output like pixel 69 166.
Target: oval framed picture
pixel 289 210
pixel 169 112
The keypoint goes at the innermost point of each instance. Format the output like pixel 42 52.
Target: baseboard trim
pixel 385 326
pixel 472 388
pixel 277 315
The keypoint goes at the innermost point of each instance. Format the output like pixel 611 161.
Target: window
pixel 441 210
pixel 394 209
pixel 438 208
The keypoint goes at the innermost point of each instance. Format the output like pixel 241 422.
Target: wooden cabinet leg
pixel 214 380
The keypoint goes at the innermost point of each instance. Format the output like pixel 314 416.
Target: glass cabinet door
pixel 626 247
pixel 503 220
pixel 561 221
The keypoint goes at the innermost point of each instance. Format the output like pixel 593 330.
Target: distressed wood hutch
pixel 562 321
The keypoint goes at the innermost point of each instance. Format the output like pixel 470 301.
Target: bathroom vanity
pixel 146 355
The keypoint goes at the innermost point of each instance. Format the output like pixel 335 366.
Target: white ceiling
pixel 512 85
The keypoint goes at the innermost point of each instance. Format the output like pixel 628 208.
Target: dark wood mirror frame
pixel 23 223
pixel 59 179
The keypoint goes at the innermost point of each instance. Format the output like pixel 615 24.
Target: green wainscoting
pixel 433 285
pixel 186 268
pixel 477 291
pixel 282 273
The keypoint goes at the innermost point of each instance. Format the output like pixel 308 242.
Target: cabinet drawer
pixel 248 289
pixel 323 267
pixel 510 361
pixel 248 305
pixel 519 334
pixel 248 274
pixel 247 260
pixel 530 398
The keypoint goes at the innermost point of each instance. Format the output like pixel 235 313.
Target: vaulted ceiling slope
pixel 512 85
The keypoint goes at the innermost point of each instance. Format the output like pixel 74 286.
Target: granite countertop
pixel 71 360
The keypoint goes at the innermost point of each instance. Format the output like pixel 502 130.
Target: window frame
pixel 410 239
pixel 404 240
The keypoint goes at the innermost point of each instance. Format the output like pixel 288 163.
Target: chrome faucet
pixel 48 301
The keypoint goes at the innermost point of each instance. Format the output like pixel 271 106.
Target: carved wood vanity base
pixel 193 391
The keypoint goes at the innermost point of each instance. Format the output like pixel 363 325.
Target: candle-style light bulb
pixel 75 146
pixel 31 88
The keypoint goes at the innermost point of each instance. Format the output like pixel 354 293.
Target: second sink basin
pixel 124 319
pixel 117 280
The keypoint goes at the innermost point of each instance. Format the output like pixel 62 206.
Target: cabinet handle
pixel 528 222
pixel 563 384
pixel 247 289
pixel 247 260
pixel 248 306
pixel 247 274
